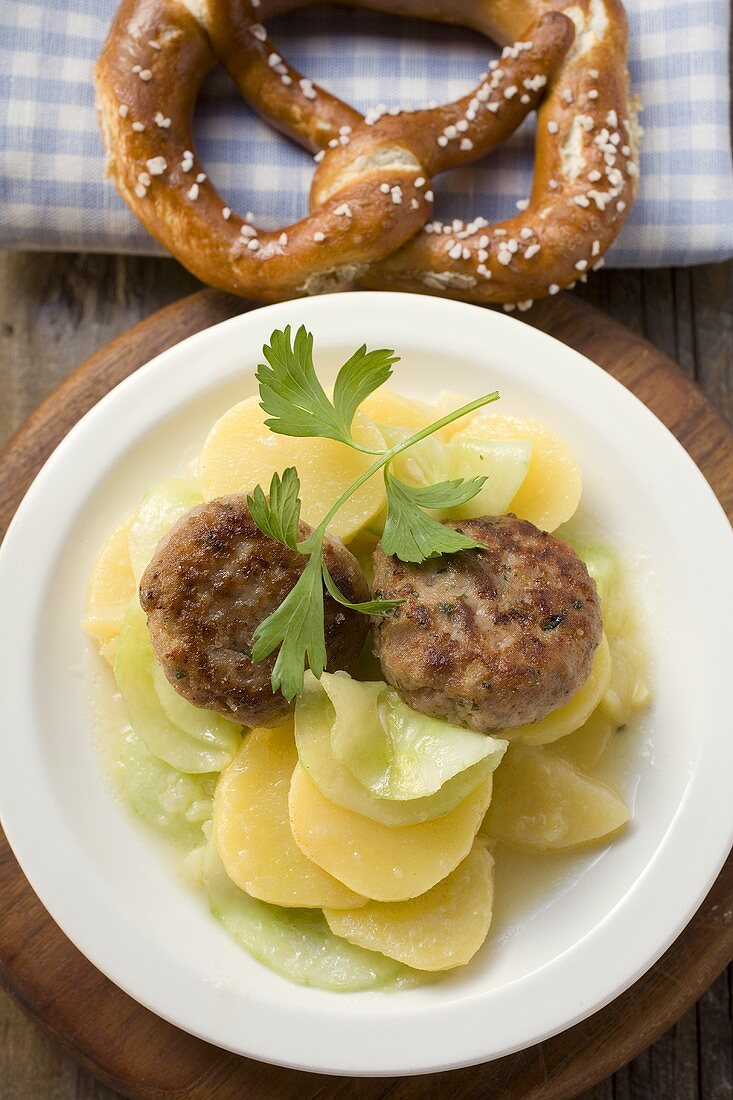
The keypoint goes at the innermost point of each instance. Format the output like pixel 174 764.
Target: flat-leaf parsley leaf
pixel 296 626
pixel 278 515
pixel 411 534
pixel 295 400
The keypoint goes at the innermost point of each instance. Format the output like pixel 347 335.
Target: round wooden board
pixel 144 1057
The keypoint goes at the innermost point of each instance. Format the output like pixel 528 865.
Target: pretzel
pixel 371 199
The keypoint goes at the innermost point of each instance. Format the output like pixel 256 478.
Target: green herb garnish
pixel 412 535
pixel 296 401
pixel 297 404
pixel 279 515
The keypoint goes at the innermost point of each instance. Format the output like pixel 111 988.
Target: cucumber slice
pixel 425 463
pixel 297 943
pixel 314 717
pixel 204 725
pixel 394 751
pixel 172 803
pixel 504 463
pixel 602 565
pixel 208 750
pixel 161 508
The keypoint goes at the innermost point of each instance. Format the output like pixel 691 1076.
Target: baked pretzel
pixel 371 200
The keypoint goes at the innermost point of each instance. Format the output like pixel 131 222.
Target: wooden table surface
pixel 55 310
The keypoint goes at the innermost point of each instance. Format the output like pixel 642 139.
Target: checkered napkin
pixel 53 194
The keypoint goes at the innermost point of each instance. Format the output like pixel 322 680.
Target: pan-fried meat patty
pixel 489 639
pixel 214 578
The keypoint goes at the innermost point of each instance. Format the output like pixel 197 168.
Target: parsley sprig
pixel 297 405
pixel 296 401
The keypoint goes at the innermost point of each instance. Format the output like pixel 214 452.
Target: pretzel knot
pixel 371 200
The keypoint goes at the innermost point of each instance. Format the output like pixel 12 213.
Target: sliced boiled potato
pixel 241 452
pixel 559 723
pixel 252 827
pixel 377 861
pixel 438 930
pixel 108 650
pixel 387 406
pixel 297 943
pixel 550 493
pixel 111 587
pixel 447 401
pixel 160 509
pixel 628 691
pixel 585 746
pixel 543 802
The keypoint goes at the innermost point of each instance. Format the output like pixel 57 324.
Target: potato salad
pixel 363 644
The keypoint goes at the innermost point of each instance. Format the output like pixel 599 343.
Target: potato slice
pixel 380 861
pixel 241 452
pixel 252 830
pixel 111 587
pixel 108 650
pixel 559 723
pixel 629 690
pixel 439 930
pixel 447 401
pixel 387 406
pixel 550 493
pixel 542 802
pixel 584 747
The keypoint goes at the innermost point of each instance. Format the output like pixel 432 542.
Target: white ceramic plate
pixel 557 956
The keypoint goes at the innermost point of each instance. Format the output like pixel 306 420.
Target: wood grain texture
pixel 51 305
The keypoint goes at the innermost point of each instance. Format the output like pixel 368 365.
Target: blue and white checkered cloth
pixel 53 194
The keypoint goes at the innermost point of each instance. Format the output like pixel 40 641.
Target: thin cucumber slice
pixel 297 943
pixel 392 750
pixel 161 508
pixel 503 462
pixel 204 725
pixel 602 564
pixel 174 804
pixel 314 717
pixel 208 751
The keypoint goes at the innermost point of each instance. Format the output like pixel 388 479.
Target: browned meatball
pixel 494 638
pixel 214 578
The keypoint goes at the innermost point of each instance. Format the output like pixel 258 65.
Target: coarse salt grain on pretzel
pixel 372 192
